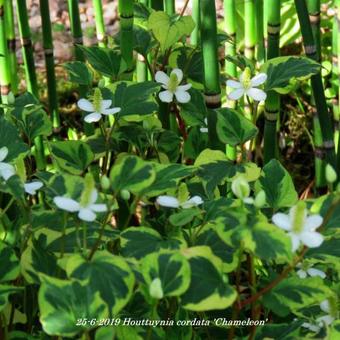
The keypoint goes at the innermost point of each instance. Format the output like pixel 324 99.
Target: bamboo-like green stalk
pixel 126 34
pixel 5 76
pixel 141 67
pixel 209 48
pixel 49 60
pixel 336 111
pixel 314 17
pixel 99 20
pixel 196 14
pixel 230 50
pixel 317 86
pixel 249 29
pixel 30 75
pixel 272 104
pixel 73 10
pixel 260 49
pixel 169 7
pixel 11 45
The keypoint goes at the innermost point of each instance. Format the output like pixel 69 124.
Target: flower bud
pixel 260 199
pixel 101 83
pixel 331 175
pixel 105 182
pixel 240 187
pixel 155 289
pixel 125 194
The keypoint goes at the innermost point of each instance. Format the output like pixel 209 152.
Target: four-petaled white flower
pixel 303 272
pixel 86 212
pixel 300 227
pixel 172 86
pixel 31 188
pixel 6 170
pixel 173 202
pixel 96 111
pixel 248 86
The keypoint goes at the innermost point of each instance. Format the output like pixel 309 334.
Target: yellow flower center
pixel 246 78
pixel 173 82
pixel 87 192
pixel 97 99
pixel 298 217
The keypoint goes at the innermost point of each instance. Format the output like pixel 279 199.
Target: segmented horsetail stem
pixel 169 6
pixel 5 76
pixel 11 45
pixel 337 117
pixel 317 86
pixel 314 18
pixel 99 20
pixel 49 60
pixel 73 10
pixel 209 48
pixel 31 78
pixel 272 104
pixel 196 13
pixel 335 102
pixel 260 49
pixel 126 34
pixel 249 29
pixel 141 67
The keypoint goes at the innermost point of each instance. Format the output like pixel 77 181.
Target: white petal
pixel 32 187
pixel 85 105
pixel 94 196
pixel 166 96
pixel 185 87
pixel 248 200
pixel 93 117
pixel 105 104
pixel 234 84
pixel 7 173
pixel 168 201
pixel 301 274
pixel 295 239
pixel 258 79
pixel 178 73
pixel 256 94
pixel 327 320
pixel 3 153
pixel 182 96
pixel 162 77
pixel 111 111
pixel 312 222
pixel 237 94
pixel 282 221
pixel 311 327
pixel 325 306
pixel 66 203
pixel 98 207
pixel 204 130
pixel 316 272
pixel 311 239
pixel 192 202
pixel 86 215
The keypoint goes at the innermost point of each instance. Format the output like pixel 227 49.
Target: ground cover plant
pixel 194 191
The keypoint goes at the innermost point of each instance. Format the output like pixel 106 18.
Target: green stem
pixel 169 6
pixel 249 29
pixel 196 14
pixel 99 19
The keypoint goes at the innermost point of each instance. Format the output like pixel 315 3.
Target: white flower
pixel 6 170
pixel 304 272
pixel 205 129
pixel 31 188
pixel 96 111
pixel 172 87
pixel 248 86
pixel 173 202
pixel 300 227
pixel 86 212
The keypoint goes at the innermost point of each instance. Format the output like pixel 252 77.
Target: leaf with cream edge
pixel 209 288
pixel 9 269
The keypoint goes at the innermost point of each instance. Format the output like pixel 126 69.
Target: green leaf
pixel 106 274
pixel 133 174
pixel 282 331
pixel 282 71
pixel 106 61
pixel 72 156
pixel 294 293
pixel 184 217
pixel 329 248
pixel 334 331
pixel 233 128
pixel 9 269
pixel 62 303
pixel 208 288
pixel 172 269
pixel 142 40
pixel 10 137
pixel 79 73
pixel 13 186
pixel 168 30
pixel 5 292
pixel 278 185
pixel 137 242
